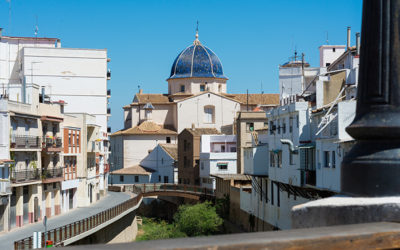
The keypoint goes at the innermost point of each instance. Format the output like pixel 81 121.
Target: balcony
pixel 27 175
pixel 25 142
pixel 52 174
pixel 52 144
pixel 308 177
pixel 108 74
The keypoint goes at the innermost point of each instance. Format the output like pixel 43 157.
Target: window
pixel 165 179
pixel 290 124
pixel 180 181
pixel 272 193
pixel 168 139
pixel 326 159
pixel 261 189
pixel 209 114
pixel 121 178
pixel 185 146
pixel 271 159
pixel 182 88
pixel 222 166
pixel 279 126
pixel 185 162
pixel 333 49
pixel 136 178
pixel 222 148
pixel 202 165
pixel 233 149
pixel 197 162
pixel 271 127
pixel 77 138
pixel 284 126
pixel 159 178
pixel 333 159
pixel 278 196
pixel 327 64
pixel 162 161
pixel 202 87
pixel 220 88
pixel 249 126
pixel 279 159
pixel 297 121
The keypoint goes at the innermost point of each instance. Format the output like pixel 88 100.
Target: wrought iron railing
pixel 25 141
pixel 24 175
pixel 60 234
pixel 49 142
pixel 50 173
pixel 169 187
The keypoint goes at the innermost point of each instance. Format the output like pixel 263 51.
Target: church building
pixel 197 98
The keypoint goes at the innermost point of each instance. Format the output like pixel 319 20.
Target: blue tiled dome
pixel 197 61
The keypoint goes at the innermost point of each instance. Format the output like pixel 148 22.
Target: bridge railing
pixel 168 187
pixel 60 234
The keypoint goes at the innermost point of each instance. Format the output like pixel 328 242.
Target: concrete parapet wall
pixel 345 210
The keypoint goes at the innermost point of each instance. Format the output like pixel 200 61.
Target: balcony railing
pixel 51 173
pixel 26 175
pixel 49 142
pixel 25 141
pixel 308 177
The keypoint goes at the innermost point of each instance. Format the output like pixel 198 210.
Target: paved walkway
pixel 112 199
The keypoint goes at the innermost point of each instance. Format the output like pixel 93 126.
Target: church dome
pixel 197 61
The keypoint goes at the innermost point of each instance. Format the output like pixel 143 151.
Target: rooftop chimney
pixel 140 91
pixel 358 41
pixel 348 36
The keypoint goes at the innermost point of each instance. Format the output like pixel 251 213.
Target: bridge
pixel 169 189
pixel 78 230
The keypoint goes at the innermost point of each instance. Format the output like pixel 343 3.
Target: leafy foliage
pixel 154 230
pixel 199 219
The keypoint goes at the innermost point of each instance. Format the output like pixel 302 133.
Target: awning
pixel 307 145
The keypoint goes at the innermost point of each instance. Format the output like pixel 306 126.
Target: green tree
pixel 199 219
pixel 155 230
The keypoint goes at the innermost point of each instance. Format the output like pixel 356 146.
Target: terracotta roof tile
pixel 254 99
pixel 171 149
pixel 134 170
pixel 153 98
pixel 146 128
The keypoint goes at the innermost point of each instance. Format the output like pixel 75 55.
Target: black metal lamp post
pixel 372 167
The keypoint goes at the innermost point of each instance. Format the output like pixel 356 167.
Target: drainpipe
pixel 291 146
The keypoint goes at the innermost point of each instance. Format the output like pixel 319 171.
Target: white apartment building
pixel 40 82
pixel 217 156
pixel 76 76
pixel 306 142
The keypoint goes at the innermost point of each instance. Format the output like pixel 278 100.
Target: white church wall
pixel 191 111
pixel 136 147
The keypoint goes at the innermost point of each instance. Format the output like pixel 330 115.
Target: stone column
pixel 372 167
pixel 57 200
pixel 48 204
pixel 19 206
pixel 32 192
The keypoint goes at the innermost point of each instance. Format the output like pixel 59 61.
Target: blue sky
pixel 143 37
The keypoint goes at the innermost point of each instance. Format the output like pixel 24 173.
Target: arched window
pixel 209 114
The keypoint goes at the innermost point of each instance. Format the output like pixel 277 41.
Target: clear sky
pixel 143 37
